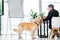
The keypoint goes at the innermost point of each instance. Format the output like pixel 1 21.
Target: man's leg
pixel 50 25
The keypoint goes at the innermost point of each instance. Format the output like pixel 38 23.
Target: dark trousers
pixel 50 24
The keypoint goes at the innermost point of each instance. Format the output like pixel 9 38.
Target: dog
pixel 55 32
pixel 29 26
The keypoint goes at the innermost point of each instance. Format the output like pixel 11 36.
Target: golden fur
pixel 29 26
pixel 55 32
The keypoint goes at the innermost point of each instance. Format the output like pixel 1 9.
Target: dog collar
pixel 36 23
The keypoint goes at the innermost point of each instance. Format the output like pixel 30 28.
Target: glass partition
pixel 1 7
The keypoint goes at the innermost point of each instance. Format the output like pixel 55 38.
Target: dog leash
pixel 36 23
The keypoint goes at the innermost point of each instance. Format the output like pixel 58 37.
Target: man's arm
pixel 48 17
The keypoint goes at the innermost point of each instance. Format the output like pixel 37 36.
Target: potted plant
pixel 33 14
pixel 42 14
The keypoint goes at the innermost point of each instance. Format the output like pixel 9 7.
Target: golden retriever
pixel 29 26
pixel 55 32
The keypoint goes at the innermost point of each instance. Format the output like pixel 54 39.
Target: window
pixel 45 3
pixel 31 4
pixel 4 18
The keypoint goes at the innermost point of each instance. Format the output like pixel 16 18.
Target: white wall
pixel 15 8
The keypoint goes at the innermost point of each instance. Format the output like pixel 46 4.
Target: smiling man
pixel 52 13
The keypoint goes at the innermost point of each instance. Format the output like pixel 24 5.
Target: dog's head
pixel 38 19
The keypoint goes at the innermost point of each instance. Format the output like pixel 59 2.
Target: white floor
pixel 24 37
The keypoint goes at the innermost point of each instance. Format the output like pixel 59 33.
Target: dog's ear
pixel 39 17
pixel 39 14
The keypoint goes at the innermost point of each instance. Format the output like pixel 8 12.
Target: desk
pixel 45 35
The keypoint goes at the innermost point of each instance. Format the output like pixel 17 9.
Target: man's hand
pixel 44 17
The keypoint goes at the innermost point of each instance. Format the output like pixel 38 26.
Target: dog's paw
pixel 34 38
pixel 20 37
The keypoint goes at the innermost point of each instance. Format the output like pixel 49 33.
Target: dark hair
pixel 51 5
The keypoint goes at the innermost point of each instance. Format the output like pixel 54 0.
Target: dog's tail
pixel 15 30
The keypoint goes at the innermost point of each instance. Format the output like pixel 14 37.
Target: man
pixel 52 13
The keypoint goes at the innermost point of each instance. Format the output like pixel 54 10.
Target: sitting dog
pixel 29 26
pixel 55 32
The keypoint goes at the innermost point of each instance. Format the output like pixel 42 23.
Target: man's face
pixel 49 8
